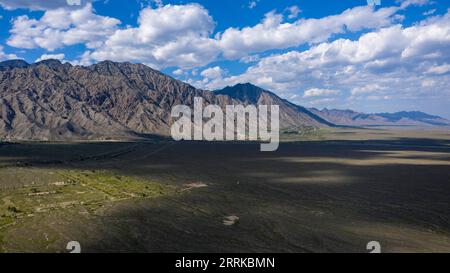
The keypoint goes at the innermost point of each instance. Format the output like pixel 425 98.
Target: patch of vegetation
pixel 90 190
pixel 302 133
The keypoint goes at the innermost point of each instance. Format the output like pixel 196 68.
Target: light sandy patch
pixel 195 185
pixel 230 220
pixel 60 184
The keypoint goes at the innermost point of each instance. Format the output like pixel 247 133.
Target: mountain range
pixel 404 118
pixel 49 100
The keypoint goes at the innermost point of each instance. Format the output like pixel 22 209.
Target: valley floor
pixel 328 191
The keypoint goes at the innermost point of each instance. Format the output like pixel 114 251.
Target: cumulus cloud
pixel 181 35
pixel 407 3
pixel 430 12
pixel 250 59
pixel 394 61
pixel 213 73
pixel 173 35
pixel 4 56
pixel 158 3
pixel 178 72
pixel 41 4
pixel 369 88
pixel 317 92
pixel 62 27
pixel 294 11
pixel 273 33
pixel 44 57
pixel 439 69
pixel 253 4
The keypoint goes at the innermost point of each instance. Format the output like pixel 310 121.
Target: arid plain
pixel 331 190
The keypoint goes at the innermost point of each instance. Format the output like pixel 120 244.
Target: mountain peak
pixel 11 64
pixel 108 67
pixel 49 62
pixel 52 63
pixel 244 91
pixel 246 84
pixel 293 116
pixel 109 63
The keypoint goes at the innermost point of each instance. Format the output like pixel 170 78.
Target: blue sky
pixel 322 53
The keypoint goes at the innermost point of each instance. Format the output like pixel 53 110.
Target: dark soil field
pixel 332 192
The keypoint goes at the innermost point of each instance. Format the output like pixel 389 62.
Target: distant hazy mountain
pixel 352 118
pixel 49 100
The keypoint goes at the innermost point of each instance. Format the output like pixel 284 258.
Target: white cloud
pixel 59 57
pixel 273 33
pixel 428 83
pixel 407 3
pixel 178 72
pixel 158 3
pixel 74 2
pixel 317 92
pixel 321 102
pixel 253 4
pixel 429 12
pixel 439 70
pixel 41 4
pixel 62 27
pixel 294 11
pixel 84 59
pixel 250 59
pixel 4 56
pixel 369 88
pixel 391 62
pixel 181 35
pixel 173 35
pixel 213 73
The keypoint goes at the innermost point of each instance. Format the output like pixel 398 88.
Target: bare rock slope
pixel 49 100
